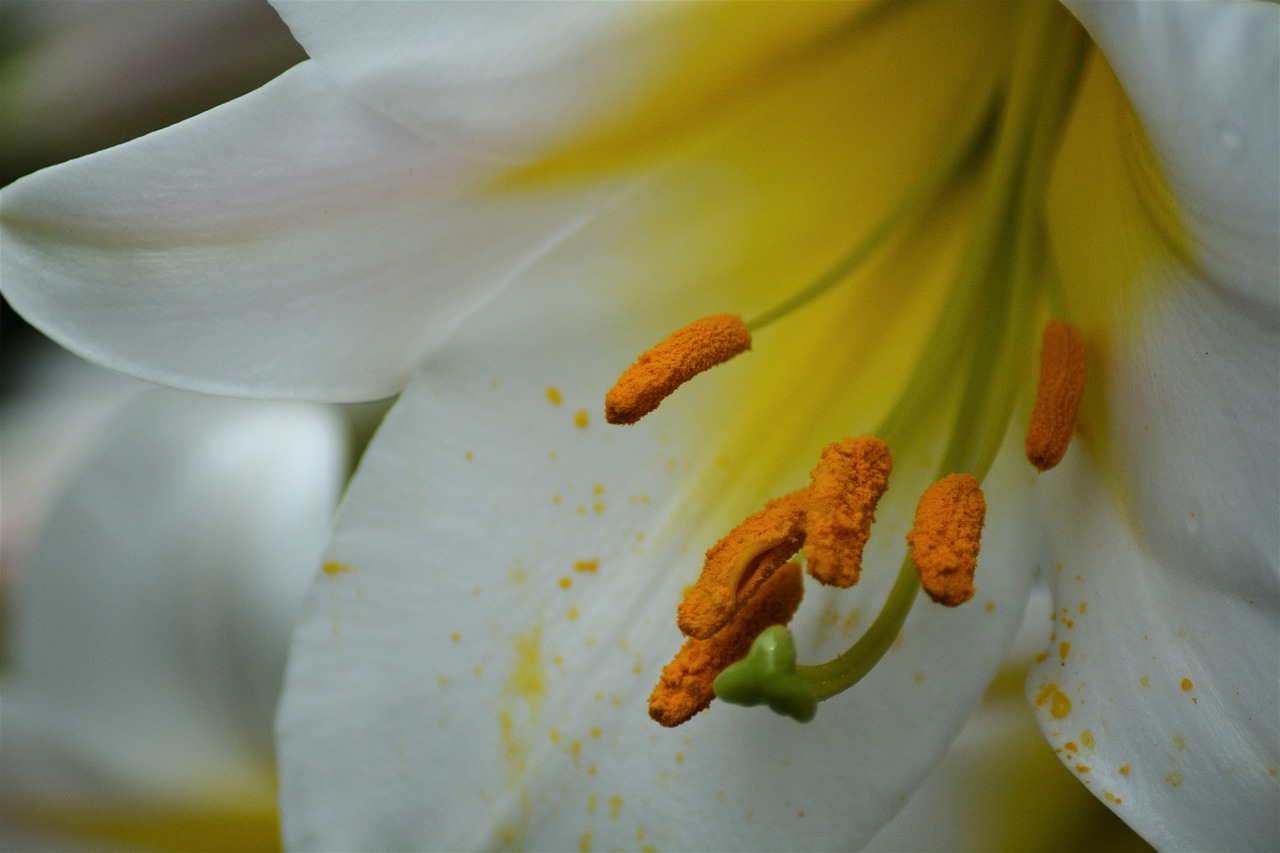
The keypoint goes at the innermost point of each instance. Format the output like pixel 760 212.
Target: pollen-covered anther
pixel 848 482
pixel 1063 365
pixel 699 346
pixel 738 565
pixel 685 687
pixel 946 536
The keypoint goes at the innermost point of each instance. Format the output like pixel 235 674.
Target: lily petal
pixel 1204 79
pixel 1159 686
pixel 472 672
pixel 1165 604
pixel 154 610
pixel 203 255
pixel 515 79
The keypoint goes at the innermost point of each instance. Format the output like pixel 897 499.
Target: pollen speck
pixel 581 419
pixel 455 636
pixel 572 614
pixel 946 537
pixel 1124 770
pixel 1187 684
pixel 1174 778
pixel 1064 649
pixel 553 395
pixel 565 583
pixel 683 355
pixel 586 566
pixel 1144 681
pixel 1063 365
pixel 989 606
pixel 333 569
pixel 1059 702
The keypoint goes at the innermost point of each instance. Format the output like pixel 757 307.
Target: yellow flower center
pixel 901 193
pixel 977 353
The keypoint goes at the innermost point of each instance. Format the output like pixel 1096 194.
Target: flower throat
pixel 734 616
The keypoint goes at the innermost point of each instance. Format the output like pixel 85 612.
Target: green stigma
pixel 767 676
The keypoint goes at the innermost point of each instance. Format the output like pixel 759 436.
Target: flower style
pixel 495 208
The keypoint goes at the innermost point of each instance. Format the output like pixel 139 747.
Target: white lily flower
pixel 151 620
pixel 496 207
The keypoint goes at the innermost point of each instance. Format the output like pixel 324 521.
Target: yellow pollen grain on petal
pixel 581 419
pixel 1187 684
pixel 586 566
pixel 553 395
pixel 657 373
pixel 1124 770
pixel 1064 649
pixel 737 565
pixel 1059 702
pixel 333 569
pixel 1063 365
pixel 946 537
pixel 847 484
pixel 685 687
pixel 565 583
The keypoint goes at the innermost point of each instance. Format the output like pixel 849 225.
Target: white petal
pixel 1180 572
pixel 1159 690
pixel 1204 78
pixel 79 76
pixel 516 78
pixel 1000 788
pixel 155 608
pixel 291 244
pixel 446 691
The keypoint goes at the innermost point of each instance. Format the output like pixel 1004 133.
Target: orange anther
pixel 847 484
pixel 945 538
pixel 1053 418
pixel 738 565
pixel 685 687
pixel 687 352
